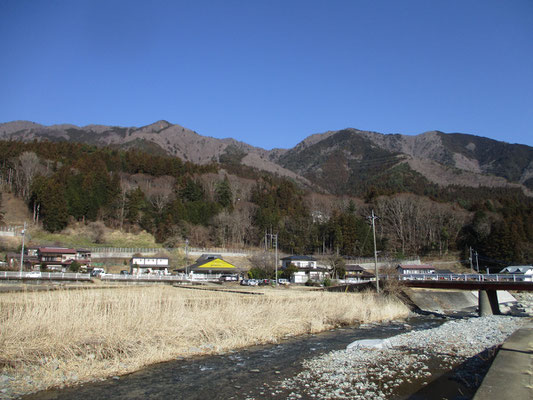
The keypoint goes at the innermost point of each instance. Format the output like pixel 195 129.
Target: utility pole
pixel 373 217
pixel 22 250
pixel 276 260
pixel 186 257
pixel 274 240
pixel 477 262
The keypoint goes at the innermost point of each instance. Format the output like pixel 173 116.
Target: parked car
pixel 97 272
pixel 282 281
pixel 124 272
pixel 249 282
pixel 229 278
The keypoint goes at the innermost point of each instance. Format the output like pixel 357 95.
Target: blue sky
pixel 270 73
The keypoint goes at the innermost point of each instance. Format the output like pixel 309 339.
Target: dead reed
pixel 62 337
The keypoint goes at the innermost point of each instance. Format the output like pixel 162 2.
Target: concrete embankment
pixel 446 301
pixel 511 373
pixel 442 301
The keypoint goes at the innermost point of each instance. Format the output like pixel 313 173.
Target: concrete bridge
pixel 486 285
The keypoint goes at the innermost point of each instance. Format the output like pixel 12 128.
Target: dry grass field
pixel 62 337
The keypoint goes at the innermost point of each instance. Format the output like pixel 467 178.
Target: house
pixel 30 259
pixel 210 267
pixel 307 269
pixel 83 256
pixel 149 265
pixel 56 258
pixel 356 273
pixel 298 262
pixel 50 258
pixel 524 271
pixel 405 269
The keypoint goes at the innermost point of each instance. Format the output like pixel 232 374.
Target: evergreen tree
pixel 135 205
pixel 223 194
pixel 54 207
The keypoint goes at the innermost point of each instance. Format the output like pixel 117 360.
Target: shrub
pixel 75 266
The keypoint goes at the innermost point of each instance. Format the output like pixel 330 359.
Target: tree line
pixel 173 200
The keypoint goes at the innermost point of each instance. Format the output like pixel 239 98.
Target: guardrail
pixel 155 278
pixel 144 277
pixel 60 276
pixel 71 276
pixel 462 277
pixel 143 250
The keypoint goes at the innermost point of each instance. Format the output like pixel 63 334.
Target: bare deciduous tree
pixel 265 261
pixel 414 224
pixel 27 168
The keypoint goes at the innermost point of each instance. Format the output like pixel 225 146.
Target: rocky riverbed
pixel 389 368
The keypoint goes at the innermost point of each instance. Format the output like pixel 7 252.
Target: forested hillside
pixel 226 204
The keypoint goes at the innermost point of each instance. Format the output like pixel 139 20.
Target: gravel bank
pixel 364 372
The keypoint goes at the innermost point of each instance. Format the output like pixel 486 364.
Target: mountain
pixel 349 161
pixel 354 160
pixel 161 137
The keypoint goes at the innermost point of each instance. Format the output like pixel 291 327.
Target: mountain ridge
pixel 333 160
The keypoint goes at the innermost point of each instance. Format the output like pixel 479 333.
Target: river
pixel 252 373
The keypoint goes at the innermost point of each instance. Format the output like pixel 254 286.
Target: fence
pixel 382 261
pixel 10 230
pixel 126 252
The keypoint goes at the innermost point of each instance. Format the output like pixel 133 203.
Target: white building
pixel 149 265
pixel 405 269
pixel 307 269
pixel 524 271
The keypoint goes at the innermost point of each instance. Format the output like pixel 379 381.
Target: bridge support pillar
pixel 488 303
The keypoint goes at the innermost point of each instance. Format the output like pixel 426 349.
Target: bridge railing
pixel 462 277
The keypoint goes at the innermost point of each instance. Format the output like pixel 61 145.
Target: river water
pixel 252 373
